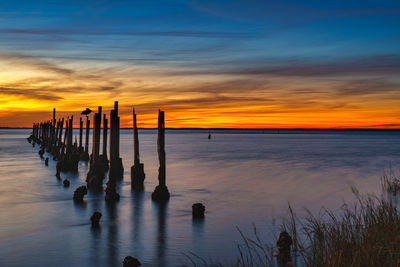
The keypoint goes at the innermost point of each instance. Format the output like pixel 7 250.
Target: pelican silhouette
pixel 86 112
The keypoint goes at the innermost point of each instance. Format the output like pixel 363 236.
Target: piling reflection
pixel 112 234
pixel 161 210
pixel 198 236
pixel 95 244
pixel 137 219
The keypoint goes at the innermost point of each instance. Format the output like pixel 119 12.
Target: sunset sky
pixel 244 64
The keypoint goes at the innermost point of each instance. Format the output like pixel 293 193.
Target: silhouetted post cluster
pixel 116 171
pixel 137 170
pixel 161 193
pixel 95 175
pixel 49 135
pixel 69 158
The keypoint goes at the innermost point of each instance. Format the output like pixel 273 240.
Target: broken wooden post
pixel 116 167
pixel 137 170
pixel 161 193
pixel 284 242
pixel 103 157
pixel 198 210
pixel 60 133
pixel 80 148
pixel 95 175
pixel 85 154
pixel 69 136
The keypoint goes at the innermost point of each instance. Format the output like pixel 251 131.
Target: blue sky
pixel 330 41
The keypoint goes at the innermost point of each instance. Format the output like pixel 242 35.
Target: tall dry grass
pixel 365 234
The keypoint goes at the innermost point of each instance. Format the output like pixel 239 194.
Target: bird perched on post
pixel 86 112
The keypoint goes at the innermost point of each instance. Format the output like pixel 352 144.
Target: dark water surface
pixel 241 179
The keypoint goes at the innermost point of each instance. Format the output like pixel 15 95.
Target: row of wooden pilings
pixel 49 135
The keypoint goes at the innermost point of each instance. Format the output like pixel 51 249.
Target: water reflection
pixel 137 219
pixel 198 235
pixel 160 243
pixel 96 202
pixel 112 235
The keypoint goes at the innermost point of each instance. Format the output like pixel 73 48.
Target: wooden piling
pixel 161 193
pixel 80 149
pixel 69 159
pixel 103 157
pixel 95 175
pixel 61 130
pixel 105 129
pixel 137 170
pixel 87 135
pixel 85 155
pixel 116 167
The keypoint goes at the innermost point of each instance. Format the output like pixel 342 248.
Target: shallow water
pixel 241 179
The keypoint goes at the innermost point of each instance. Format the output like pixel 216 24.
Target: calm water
pixel 241 179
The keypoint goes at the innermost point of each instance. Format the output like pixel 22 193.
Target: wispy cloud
pixel 27 60
pixel 30 93
pixel 364 65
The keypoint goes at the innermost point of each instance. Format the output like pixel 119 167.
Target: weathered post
pixel 60 133
pixel 116 167
pixel 69 138
pixel 161 193
pixel 137 170
pixel 85 154
pixel 284 242
pixel 80 148
pixel 103 157
pixel 95 175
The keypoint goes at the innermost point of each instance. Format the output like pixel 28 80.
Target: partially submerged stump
pixel 95 219
pixel 79 193
pixel 284 242
pixel 66 183
pixel 46 161
pixel 161 193
pixel 41 152
pixel 130 261
pixel 137 170
pixel 198 210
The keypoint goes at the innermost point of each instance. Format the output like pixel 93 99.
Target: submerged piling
pixel 161 193
pixel 137 170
